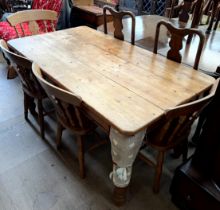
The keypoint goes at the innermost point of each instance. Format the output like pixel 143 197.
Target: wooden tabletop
pixel 121 85
pixel 145 34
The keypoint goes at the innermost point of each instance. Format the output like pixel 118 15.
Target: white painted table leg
pixel 124 151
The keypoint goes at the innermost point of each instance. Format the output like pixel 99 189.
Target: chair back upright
pixel 67 104
pixel 23 68
pixel 176 41
pixel 117 21
pixel 47 17
pixel 177 122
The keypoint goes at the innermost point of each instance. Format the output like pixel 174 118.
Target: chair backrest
pixel 67 104
pixel 117 21
pixel 177 121
pixel 47 17
pixel 207 155
pixel 55 5
pixel 23 68
pixel 176 39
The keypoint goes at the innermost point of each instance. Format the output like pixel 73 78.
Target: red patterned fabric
pixel 7 32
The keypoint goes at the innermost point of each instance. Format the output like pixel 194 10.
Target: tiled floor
pixel 34 176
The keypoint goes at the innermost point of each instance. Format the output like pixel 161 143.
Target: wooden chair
pixel 39 21
pixel 7 32
pixel 172 131
pixel 31 22
pixel 180 9
pixel 117 20
pixel 69 115
pixel 204 114
pixel 195 184
pixel 176 39
pixel 213 11
pixel 31 88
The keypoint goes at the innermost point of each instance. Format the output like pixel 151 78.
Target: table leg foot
pixel 119 195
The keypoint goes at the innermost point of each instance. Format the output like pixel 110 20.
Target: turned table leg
pixel 119 195
pixel 124 150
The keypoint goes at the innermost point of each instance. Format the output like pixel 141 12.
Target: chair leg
pixel 81 156
pixel 158 172
pixel 201 121
pixel 208 19
pixel 26 105
pixel 11 72
pixel 59 134
pixel 178 151
pixel 40 117
pixel 217 20
pixel 32 107
pixel 218 69
pixel 185 150
pixel 6 59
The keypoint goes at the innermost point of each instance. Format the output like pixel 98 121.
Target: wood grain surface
pixel 121 85
pixel 145 36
